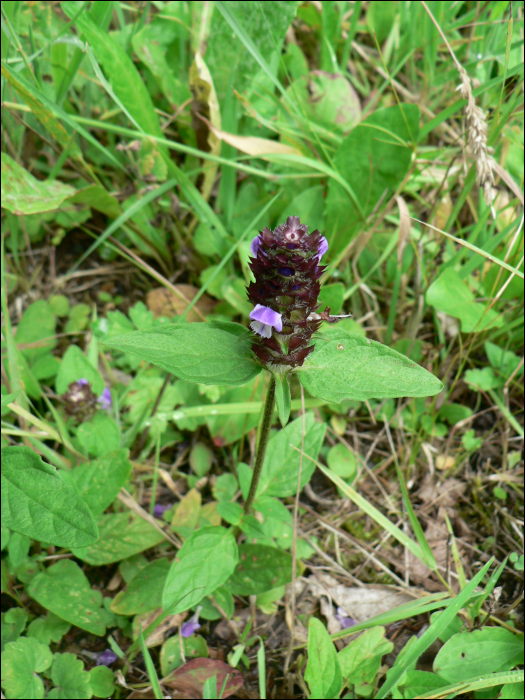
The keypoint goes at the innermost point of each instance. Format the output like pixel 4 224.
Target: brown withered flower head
pixel 286 268
pixel 80 401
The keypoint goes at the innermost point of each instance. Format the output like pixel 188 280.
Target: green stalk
pixel 261 447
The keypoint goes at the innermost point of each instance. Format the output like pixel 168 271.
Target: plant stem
pixel 261 447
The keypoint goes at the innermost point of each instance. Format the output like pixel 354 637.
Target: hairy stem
pixel 261 447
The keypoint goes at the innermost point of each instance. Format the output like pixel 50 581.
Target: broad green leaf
pixel 272 508
pixel 126 82
pixel 13 623
pixel 230 512
pixel 226 429
pixel 171 652
pixel 121 536
pixel 281 463
pixel 102 681
pixel 431 634
pixel 21 661
pixel 310 203
pixel 18 548
pixel 151 44
pixel 99 435
pixel 99 482
pixel 50 628
pixel 206 560
pixel 342 462
pixel 416 683
pixel 512 690
pixel 65 590
pixel 373 159
pixel 323 673
pixel 42 110
pixel 96 197
pixel 144 592
pixel 37 326
pixel 69 677
pixel 38 503
pixel 470 654
pixel 332 295
pixel 283 398
pixel 228 55
pixel 347 366
pixel 361 659
pixel 75 366
pixel 327 99
pixel 196 352
pixel 22 193
pixel 260 569
pixel 9 398
pixel 451 295
pixel 503 361
pixel 225 487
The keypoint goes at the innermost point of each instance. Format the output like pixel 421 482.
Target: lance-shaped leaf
pixel 346 365
pixel 197 352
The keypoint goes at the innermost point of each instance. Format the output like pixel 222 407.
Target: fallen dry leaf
pixel 164 302
pixel 360 603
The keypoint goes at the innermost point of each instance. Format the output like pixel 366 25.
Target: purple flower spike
pixel 192 625
pixel 105 399
pixel 82 382
pixel 264 319
pixel 323 247
pixel 106 658
pixel 254 246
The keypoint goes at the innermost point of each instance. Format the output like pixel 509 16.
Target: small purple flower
pixel 105 399
pixel 106 658
pixel 344 619
pixel 192 625
pixel 159 510
pixel 264 319
pixel 254 246
pixel 323 247
pixel 82 382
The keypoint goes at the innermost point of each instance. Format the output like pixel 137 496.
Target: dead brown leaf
pixel 164 302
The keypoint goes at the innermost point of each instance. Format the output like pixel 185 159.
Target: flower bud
pixel 80 401
pixel 286 268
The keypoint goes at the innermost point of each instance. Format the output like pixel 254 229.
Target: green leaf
pixel 451 295
pixel 75 366
pixel 38 503
pixel 225 487
pixel 37 323
pixel 503 361
pixel 206 560
pixel 22 193
pixel 196 352
pixel 99 482
pixel 342 462
pixel 512 690
pixel 373 159
pixel 454 413
pixel 9 398
pixel 50 628
pixel 226 429
pixel 144 592
pixel 281 463
pixel 347 366
pixel 260 569
pixel 65 590
pixel 283 398
pixel 21 661
pixel 361 659
pixel 332 295
pixel 416 683
pixel 171 653
pixel 323 673
pixel 99 435
pixel 13 623
pixel 201 458
pixel 126 82
pixel 230 512
pixel 18 548
pixel 121 536
pixel 102 681
pixel 239 43
pixel 272 508
pixel 470 654
pixel 67 673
